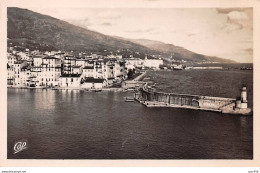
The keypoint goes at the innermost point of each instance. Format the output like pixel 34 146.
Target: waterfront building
pixel 51 70
pixel 70 80
pixel 109 73
pixel 69 62
pixel 88 71
pixel 92 83
pixel 98 69
pixel 24 76
pixel 119 69
pixel 10 75
pixel 18 65
pixel 35 77
pixel 134 63
pixel 152 63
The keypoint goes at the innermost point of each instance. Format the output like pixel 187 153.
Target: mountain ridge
pixel 178 52
pixel 59 34
pixel 38 31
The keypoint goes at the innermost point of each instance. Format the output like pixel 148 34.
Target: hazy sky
pixel 226 33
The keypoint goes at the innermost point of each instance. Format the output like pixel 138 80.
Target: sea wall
pixel 195 101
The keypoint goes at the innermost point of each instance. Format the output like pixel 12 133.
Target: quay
pixel 150 98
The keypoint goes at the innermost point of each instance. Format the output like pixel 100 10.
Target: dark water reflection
pixel 83 125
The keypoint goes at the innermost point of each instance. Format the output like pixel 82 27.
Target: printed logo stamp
pixel 20 146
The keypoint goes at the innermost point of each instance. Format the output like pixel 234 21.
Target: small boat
pixel 98 90
pixel 129 99
pixel 36 87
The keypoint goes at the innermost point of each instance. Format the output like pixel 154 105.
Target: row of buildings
pixel 153 63
pixel 36 69
pixel 63 69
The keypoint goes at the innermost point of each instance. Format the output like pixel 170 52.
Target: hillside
pixel 45 32
pixel 178 52
pixel 36 31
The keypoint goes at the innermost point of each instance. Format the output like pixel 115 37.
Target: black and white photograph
pixel 130 83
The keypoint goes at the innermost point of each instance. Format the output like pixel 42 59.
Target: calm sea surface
pixel 70 124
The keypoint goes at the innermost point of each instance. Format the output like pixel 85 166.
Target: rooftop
pixel 70 75
pixel 76 66
pixel 38 56
pixel 50 57
pixel 93 80
pixel 81 59
pixel 88 67
pixel 18 62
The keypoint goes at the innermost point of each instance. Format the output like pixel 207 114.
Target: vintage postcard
pixel 152 82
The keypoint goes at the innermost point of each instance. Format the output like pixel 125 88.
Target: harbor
pixel 104 126
pixel 114 125
pixel 147 95
pixel 149 98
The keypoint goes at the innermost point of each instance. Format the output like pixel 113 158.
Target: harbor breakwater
pixel 150 98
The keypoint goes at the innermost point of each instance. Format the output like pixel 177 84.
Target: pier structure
pixel 150 98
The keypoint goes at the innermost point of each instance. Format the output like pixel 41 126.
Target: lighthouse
pixel 243 97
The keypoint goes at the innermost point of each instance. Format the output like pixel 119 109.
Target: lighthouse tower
pixel 243 98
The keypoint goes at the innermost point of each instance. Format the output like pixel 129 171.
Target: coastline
pixel 153 103
pixel 118 89
pixel 70 88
